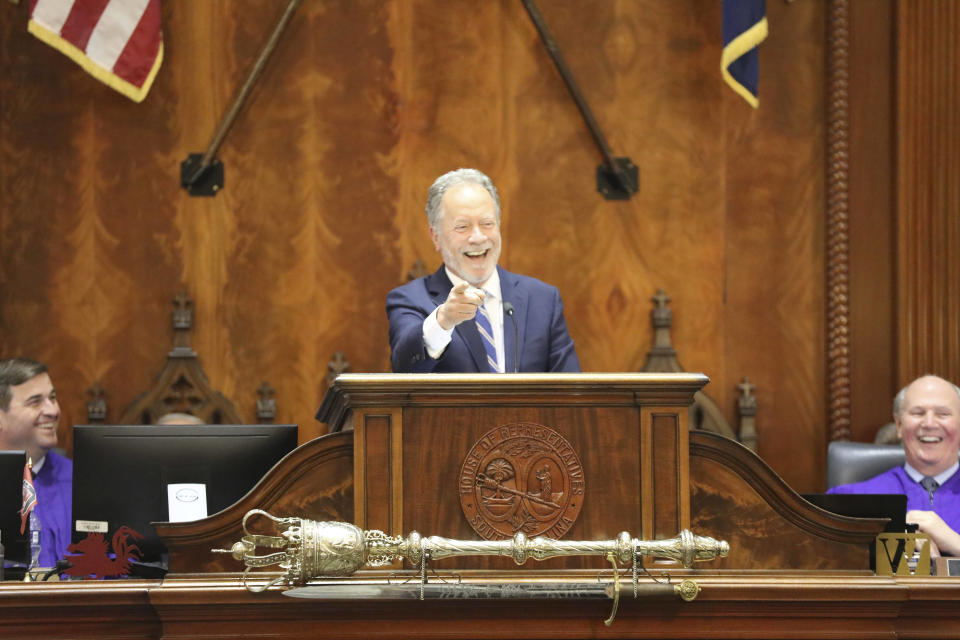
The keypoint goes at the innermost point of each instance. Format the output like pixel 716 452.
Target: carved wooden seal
pixel 521 477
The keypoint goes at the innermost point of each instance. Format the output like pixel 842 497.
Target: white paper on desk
pixel 187 501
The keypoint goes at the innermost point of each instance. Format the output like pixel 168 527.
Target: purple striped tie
pixel 486 334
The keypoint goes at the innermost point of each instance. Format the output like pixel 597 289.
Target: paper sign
pixel 187 501
pixel 92 526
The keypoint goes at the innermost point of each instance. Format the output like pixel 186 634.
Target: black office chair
pixel 857 461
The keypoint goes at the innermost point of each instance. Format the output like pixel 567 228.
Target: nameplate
pixel 903 554
pixel 92 526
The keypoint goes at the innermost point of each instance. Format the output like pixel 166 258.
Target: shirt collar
pixel 38 464
pixel 491 286
pixel 941 477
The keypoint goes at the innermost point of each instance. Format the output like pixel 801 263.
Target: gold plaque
pixel 903 554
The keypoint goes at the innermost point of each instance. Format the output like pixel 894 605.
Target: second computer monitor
pixel 121 473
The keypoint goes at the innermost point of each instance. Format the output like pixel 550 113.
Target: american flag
pixel 29 495
pixel 119 42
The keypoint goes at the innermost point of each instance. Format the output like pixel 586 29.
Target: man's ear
pixel 896 420
pixel 436 238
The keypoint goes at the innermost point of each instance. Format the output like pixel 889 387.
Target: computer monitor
pixel 16 548
pixel 892 506
pixel 121 473
pixel 865 505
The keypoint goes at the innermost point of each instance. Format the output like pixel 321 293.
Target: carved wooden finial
pixel 747 404
pixel 182 324
pixel 661 298
pixel 661 357
pixel 182 311
pixel 747 401
pixel 266 405
pixel 97 406
pixel 181 386
pixel 661 316
pixel 336 366
pixel 418 270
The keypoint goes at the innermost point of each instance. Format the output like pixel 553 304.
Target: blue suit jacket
pixel 542 336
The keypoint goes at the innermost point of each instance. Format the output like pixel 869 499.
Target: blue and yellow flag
pixel 744 28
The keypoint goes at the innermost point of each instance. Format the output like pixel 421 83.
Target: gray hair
pixel 450 179
pixel 14 372
pixel 902 394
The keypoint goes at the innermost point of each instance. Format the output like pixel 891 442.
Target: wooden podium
pixel 619 440
pixel 573 456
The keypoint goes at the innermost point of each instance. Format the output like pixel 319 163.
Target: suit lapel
pixel 513 293
pixel 438 286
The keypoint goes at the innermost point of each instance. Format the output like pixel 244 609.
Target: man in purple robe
pixel 927 414
pixel 29 417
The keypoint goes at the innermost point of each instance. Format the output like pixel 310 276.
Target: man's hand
pixel 944 539
pixel 461 304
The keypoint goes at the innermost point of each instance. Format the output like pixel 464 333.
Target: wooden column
pixel 376 441
pixel 928 189
pixel 665 463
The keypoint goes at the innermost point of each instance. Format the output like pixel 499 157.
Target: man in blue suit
pixel 472 316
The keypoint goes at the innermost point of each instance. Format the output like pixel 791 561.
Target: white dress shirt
pixel 436 338
pixel 941 477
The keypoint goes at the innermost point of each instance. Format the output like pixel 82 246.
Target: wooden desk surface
pixel 758 604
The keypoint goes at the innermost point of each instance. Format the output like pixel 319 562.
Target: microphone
pixel 508 309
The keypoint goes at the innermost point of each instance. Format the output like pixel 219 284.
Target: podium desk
pixel 575 457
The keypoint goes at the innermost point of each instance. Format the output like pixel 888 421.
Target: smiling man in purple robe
pixel 927 413
pixel 29 418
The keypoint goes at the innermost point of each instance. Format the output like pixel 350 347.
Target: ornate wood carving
pixel 97 405
pixel 266 404
pixel 747 404
pixel 662 357
pixel 837 223
pixel 338 364
pixel 182 385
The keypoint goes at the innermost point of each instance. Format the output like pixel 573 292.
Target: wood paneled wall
pixel 928 198
pixel 872 235
pixel 362 105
